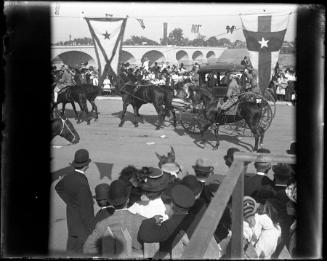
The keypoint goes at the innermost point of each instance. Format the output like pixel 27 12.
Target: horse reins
pixel 63 127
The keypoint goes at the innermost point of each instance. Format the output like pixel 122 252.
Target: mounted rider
pixel 233 92
pixel 67 79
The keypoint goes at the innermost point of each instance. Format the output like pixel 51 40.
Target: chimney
pixel 165 39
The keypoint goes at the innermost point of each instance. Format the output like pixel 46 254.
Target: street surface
pixel 120 147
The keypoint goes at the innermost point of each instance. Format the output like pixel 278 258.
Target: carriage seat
pixel 220 91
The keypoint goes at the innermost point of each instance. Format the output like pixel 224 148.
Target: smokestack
pixel 165 39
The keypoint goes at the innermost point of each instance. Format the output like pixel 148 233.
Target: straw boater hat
pixel 171 168
pixel 81 159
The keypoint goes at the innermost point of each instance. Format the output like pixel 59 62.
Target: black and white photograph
pixel 178 130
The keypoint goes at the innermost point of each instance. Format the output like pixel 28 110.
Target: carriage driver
pixel 67 79
pixel 232 93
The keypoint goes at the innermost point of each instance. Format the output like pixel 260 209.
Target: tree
pixel 224 42
pixel 212 41
pixel 139 40
pixel 199 41
pixel 175 37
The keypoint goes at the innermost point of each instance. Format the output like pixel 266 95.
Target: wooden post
pixel 237 219
pixel 204 231
pixel 150 249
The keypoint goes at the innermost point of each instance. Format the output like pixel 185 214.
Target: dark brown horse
pixel 63 127
pixel 137 95
pixel 247 109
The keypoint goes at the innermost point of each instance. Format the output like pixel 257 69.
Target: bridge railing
pixel 232 186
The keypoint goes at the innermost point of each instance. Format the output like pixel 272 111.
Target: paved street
pixel 107 143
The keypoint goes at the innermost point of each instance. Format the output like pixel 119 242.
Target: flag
pixel 105 169
pixel 107 34
pixel 195 28
pixel 141 23
pixel 264 36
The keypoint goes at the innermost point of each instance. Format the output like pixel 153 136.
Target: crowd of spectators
pixel 154 204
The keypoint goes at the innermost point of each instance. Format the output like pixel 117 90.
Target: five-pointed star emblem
pixel 263 42
pixel 106 35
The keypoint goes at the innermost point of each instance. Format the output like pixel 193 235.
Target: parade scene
pixel 150 104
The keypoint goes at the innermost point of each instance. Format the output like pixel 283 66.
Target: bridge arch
pixel 127 57
pixel 181 55
pixel 211 55
pixel 197 56
pixel 75 58
pixel 153 56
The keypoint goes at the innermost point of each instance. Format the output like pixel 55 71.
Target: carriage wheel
pixel 190 121
pixel 266 116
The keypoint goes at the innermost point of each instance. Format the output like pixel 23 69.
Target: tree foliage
pixel 139 40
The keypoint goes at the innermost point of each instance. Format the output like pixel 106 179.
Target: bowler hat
pixel 81 158
pixel 292 148
pixel 102 191
pixel 230 153
pixel 118 192
pixel 192 183
pixel 182 196
pixel 282 172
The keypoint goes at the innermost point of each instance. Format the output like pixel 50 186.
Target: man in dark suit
pixel 75 191
pixel 151 230
pixel 259 186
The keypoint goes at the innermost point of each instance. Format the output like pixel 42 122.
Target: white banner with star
pixel 107 34
pixel 264 36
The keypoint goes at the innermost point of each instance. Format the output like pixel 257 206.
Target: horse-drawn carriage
pixel 213 87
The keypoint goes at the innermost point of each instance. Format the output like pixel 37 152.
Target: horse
pixel 71 94
pixel 137 95
pixel 91 92
pixel 63 127
pixel 247 109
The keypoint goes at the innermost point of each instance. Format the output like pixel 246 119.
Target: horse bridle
pixel 63 127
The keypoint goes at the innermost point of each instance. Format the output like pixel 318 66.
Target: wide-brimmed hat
pixel 102 191
pixel 182 196
pixel 118 192
pixel 192 183
pixel 291 150
pixel 250 206
pixel 203 165
pixel 156 181
pixel 171 168
pixel 81 158
pixel 282 172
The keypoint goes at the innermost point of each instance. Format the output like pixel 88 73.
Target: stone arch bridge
pixel 136 54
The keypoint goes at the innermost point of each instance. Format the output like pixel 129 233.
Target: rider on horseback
pixel 233 92
pixel 67 79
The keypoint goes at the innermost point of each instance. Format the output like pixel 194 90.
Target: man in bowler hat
pixel 102 198
pixel 122 218
pixel 75 191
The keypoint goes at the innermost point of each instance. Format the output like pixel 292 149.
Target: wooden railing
pixel 232 186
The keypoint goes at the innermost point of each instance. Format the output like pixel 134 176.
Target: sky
pixel 213 18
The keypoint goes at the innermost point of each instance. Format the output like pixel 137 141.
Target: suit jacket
pixel 75 191
pixel 165 233
pixel 122 218
pixel 259 187
pixel 103 214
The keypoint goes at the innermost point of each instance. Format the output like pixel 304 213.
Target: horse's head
pixel 68 131
pixel 163 159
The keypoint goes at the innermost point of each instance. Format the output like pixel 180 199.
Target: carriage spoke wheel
pixel 190 121
pixel 271 101
pixel 266 116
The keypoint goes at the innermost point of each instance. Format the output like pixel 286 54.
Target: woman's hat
pixel 250 206
pixel 157 182
pixel 171 168
pixel 230 153
pixel 192 183
pixel 182 196
pixel 81 158
pixel 118 192
pixel 102 191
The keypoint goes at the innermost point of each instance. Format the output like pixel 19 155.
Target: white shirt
pixel 152 208
pixel 264 235
pixel 80 171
